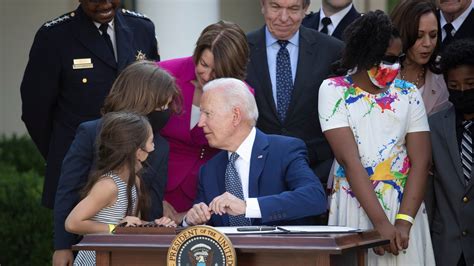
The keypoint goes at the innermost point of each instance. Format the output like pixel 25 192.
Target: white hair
pixel 236 94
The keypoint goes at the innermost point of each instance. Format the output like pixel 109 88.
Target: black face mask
pixel 463 101
pixel 158 119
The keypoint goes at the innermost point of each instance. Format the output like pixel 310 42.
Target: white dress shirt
pixel 272 50
pixel 335 18
pixel 456 23
pixel 111 33
pixel 242 164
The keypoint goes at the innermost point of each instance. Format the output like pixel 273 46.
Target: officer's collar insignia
pixel 140 55
pixel 59 19
pixel 136 14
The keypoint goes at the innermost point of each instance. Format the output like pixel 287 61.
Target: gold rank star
pixel 140 55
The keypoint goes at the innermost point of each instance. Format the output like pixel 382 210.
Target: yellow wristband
pixel 405 217
pixel 111 228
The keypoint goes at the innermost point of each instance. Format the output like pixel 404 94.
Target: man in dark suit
pixel 73 62
pixel 450 194
pixel 456 20
pixel 257 178
pixel 287 64
pixel 333 17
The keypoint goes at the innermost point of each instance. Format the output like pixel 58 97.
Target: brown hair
pixel 141 88
pixel 121 135
pixel 406 18
pixel 228 44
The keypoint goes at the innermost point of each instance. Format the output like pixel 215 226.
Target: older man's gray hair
pixel 236 93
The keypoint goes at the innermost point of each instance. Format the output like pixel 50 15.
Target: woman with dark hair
pixel 115 192
pixel 373 123
pixel 418 26
pixel 221 51
pixel 141 88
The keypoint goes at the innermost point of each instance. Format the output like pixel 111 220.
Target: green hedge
pixel 25 226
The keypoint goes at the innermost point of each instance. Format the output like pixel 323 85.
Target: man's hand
pixel 63 257
pixel 228 203
pixel 199 214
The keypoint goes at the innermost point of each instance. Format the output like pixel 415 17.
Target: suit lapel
pixel 449 123
pixel 124 41
pixel 88 34
pixel 303 71
pixel 257 162
pixel 259 62
pixel 220 174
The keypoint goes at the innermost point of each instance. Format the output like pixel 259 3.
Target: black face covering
pixel 463 101
pixel 158 119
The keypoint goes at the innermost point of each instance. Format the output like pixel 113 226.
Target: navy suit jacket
pixel 465 31
pixel 280 178
pixel 56 98
pixel 312 21
pixel 75 171
pixel 317 52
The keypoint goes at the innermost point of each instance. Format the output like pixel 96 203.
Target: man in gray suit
pixel 450 194
pixel 287 64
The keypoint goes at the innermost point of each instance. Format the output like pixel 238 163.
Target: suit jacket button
pixel 464 233
pixel 465 199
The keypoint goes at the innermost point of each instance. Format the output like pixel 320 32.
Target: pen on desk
pixel 283 229
pixel 256 228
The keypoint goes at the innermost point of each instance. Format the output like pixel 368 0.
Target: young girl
pixel 114 193
pixel 377 127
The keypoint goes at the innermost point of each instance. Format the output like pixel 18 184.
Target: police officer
pixel 73 62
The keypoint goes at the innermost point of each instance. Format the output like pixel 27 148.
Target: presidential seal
pixel 201 245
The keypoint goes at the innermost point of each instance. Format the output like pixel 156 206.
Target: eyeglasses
pixel 392 59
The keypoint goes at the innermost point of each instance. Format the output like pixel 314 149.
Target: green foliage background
pixel 25 226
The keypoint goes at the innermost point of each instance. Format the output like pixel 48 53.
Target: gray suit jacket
pixel 450 202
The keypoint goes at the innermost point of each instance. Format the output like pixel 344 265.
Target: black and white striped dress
pixel 109 215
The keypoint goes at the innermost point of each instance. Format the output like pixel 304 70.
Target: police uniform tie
pixel 325 21
pixel 233 185
pixel 448 28
pixel 106 36
pixel 466 150
pixel 284 80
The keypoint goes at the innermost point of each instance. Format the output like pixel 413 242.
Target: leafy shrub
pixel 21 153
pixel 25 226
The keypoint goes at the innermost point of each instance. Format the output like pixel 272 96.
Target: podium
pixel 254 249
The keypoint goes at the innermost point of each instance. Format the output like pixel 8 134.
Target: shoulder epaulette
pixel 60 19
pixel 133 14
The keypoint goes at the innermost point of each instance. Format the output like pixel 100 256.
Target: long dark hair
pixel 121 135
pixel 406 18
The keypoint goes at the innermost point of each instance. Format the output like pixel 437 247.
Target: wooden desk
pixel 263 249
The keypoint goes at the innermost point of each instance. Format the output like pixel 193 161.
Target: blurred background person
pixel 450 194
pixel 141 88
pixel 419 36
pixel 115 192
pixel 333 17
pixel 378 129
pixel 221 51
pixel 456 19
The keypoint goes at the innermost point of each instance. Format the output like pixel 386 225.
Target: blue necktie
pixel 466 151
pixel 284 80
pixel 233 185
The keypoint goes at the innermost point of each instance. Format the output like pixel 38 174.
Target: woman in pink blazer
pixel 221 51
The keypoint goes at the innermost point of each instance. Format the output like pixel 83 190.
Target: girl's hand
pixel 131 221
pixel 390 232
pixel 404 228
pixel 165 221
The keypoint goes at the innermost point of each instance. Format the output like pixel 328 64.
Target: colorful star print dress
pixel 379 123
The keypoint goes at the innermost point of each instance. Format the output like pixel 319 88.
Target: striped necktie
pixel 466 150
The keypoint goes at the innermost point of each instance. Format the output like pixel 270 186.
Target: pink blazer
pixel 188 148
pixel 435 94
